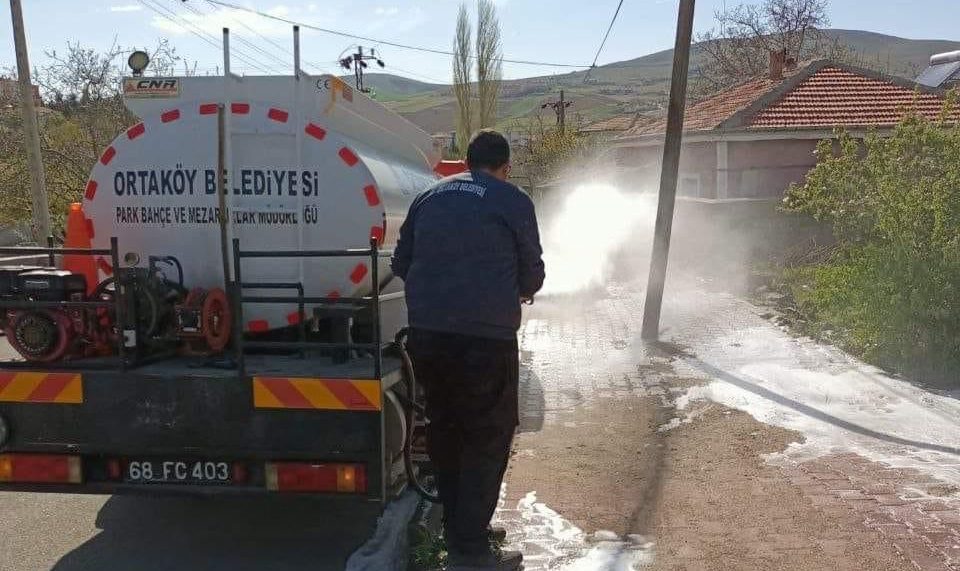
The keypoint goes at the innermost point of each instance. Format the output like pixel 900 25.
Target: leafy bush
pixel 890 292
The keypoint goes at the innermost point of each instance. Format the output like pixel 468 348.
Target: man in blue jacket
pixel 469 254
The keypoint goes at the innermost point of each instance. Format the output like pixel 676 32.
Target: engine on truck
pixel 47 333
pixel 60 318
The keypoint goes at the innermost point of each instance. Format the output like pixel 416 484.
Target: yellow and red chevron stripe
pixel 38 387
pixel 316 394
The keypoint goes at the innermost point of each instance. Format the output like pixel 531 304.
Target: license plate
pixel 177 472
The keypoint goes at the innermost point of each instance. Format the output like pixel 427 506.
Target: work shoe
pixel 498 535
pixel 504 561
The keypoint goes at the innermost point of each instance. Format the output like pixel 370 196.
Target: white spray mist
pixel 595 221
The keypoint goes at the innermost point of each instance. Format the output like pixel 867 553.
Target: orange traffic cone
pixel 78 236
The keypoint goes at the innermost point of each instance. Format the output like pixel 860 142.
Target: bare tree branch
pixel 739 48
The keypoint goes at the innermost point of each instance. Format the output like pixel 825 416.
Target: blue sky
pixel 566 31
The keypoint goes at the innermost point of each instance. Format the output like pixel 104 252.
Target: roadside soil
pixel 700 490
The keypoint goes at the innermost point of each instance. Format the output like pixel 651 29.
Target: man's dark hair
pixel 488 149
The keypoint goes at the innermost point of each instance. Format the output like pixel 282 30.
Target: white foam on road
pixel 838 403
pixel 550 542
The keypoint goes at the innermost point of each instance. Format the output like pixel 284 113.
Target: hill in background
pixel 630 86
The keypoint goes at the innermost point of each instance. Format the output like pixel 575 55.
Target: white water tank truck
pixel 311 165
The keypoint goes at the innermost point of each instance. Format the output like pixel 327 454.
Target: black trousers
pixel 471 388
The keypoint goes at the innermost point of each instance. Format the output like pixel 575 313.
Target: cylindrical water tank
pixel 295 181
pixel 947 57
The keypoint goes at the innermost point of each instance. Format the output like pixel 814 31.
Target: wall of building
pixel 765 169
pixel 755 169
pixel 698 168
pixel 725 231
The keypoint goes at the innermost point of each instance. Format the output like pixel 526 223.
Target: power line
pixel 384 42
pixel 264 66
pixel 604 42
pixel 420 75
pixel 243 41
pixel 433 80
pixel 607 35
pixel 274 43
pixel 265 38
pixel 172 20
pixel 182 22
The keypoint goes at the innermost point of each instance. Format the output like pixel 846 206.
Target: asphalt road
pixel 134 533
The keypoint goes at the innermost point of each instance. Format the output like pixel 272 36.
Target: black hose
pixel 411 408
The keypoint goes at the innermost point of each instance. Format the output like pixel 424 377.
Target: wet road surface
pixel 577 355
pixel 853 469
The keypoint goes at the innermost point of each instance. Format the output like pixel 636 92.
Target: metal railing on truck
pixel 128 353
pixel 370 302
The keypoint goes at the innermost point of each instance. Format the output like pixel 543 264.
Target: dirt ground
pixel 701 490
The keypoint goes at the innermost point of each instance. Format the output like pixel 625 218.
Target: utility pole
pixel 38 186
pixel 560 107
pixel 358 69
pixel 358 62
pixel 668 176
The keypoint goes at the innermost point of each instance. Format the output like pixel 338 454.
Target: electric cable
pixel 384 42
pixel 188 26
pixel 272 42
pixel 249 44
pixel 180 21
pixel 604 42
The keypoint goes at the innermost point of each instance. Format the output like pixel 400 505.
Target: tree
pixel 739 48
pixel 891 291
pixel 489 62
pixel 83 113
pixel 462 76
pixel 544 150
pixel 85 75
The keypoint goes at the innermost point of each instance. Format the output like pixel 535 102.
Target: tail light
pixel 239 473
pixel 114 470
pixel 40 469
pixel 309 477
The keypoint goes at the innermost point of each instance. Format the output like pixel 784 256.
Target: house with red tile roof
pixel 616 125
pixel 755 139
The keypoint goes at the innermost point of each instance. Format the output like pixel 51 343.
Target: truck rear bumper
pixel 125 417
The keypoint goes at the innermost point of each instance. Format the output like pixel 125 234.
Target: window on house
pixel 689 185
pixel 751 183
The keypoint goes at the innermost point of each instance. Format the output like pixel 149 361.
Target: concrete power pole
pixel 668 177
pixel 560 107
pixel 563 113
pixel 38 187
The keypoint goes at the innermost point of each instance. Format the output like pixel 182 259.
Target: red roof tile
pixel 710 113
pixel 821 95
pixel 618 123
pixel 834 96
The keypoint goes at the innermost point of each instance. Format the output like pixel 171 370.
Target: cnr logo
pixel 157 84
